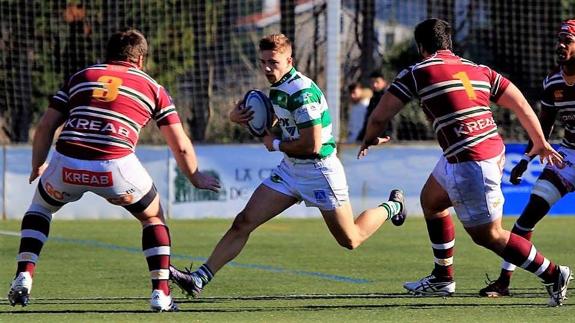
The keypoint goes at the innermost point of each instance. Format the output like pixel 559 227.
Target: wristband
pixel 526 158
pixel 276 144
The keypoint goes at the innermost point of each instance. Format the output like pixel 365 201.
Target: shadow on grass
pixel 461 293
pixel 419 302
pixel 244 309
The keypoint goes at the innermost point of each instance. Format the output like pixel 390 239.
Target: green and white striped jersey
pixel 299 103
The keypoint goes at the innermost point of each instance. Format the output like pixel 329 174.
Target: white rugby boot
pixel 160 302
pixel 20 289
pixel 558 290
pixel 430 286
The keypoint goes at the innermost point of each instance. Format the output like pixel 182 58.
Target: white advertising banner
pixel 371 178
pixel 18 193
pixel 240 168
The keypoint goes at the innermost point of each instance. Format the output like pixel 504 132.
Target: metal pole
pixel 332 68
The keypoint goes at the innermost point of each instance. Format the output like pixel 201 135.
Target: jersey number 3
pixel 462 76
pixel 111 88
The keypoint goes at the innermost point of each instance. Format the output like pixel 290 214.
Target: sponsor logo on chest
pixel 87 178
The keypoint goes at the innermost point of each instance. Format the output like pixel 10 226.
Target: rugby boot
pixel 495 288
pixel 430 286
pixel 20 289
pixel 397 195
pixel 558 290
pixel 189 282
pixel 160 302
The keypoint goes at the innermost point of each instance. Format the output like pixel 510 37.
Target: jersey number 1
pixel 111 88
pixel 462 76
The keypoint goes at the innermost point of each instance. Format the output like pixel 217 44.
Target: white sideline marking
pixel 103 245
pixel 10 233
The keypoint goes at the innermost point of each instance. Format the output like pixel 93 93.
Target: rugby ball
pixel 261 105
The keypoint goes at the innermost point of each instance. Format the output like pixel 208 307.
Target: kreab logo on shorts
pixel 320 196
pixel 86 177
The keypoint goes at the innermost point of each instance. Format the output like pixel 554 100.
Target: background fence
pixel 205 52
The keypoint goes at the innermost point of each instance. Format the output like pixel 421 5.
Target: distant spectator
pixel 359 100
pixel 379 86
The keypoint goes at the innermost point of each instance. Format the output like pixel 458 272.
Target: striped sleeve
pixel 498 84
pixel 165 112
pixel 306 106
pixel 60 100
pixel 403 86
pixel 308 116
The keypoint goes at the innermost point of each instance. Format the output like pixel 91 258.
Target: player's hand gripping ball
pixel 261 105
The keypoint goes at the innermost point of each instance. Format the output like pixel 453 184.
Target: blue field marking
pixel 109 246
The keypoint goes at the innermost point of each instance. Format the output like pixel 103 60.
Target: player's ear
pixel 290 60
pixel 422 52
pixel 141 62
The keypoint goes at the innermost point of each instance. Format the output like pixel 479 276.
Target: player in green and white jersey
pixel 309 172
pixel 299 104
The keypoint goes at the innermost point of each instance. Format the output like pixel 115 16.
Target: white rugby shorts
pixel 121 181
pixel 474 188
pixel 567 173
pixel 319 183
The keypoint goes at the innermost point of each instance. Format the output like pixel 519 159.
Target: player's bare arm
pixel 185 156
pixel 388 106
pixel 547 120
pixel 43 137
pixel 514 100
pixel 308 143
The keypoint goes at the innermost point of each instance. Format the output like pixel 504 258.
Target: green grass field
pixel 291 271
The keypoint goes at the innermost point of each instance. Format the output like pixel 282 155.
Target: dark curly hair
pixel 433 34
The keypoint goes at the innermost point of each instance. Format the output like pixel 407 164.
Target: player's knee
pixel 242 223
pixel 427 207
pixel 140 208
pixel 545 190
pixel 41 208
pixel 348 242
pixel 488 241
pixel 434 213
pixel 489 238
pixel 38 210
pixel 349 245
pixel 481 240
pixel 152 220
pixel 43 203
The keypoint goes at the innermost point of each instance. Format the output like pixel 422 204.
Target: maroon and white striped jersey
pixel 106 106
pixel 559 95
pixel 455 94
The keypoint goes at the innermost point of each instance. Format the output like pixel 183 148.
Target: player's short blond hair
pixel 276 42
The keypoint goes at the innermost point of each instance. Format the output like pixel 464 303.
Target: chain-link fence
pixel 205 52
